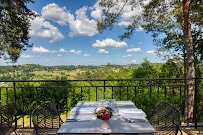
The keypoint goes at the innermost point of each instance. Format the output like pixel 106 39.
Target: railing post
pixel 135 95
pixel 0 97
pixel 180 103
pixel 29 105
pixel 195 103
pixel 14 98
pixel 104 89
pixel 96 93
pixel 81 94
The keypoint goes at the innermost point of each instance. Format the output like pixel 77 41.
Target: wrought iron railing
pixel 66 93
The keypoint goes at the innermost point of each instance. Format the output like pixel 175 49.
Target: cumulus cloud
pixel 109 43
pixel 42 50
pixel 126 17
pixel 133 61
pixel 27 56
pixel 42 29
pixel 161 61
pixel 127 56
pixel 96 11
pixel 128 13
pixel 152 52
pixel 81 25
pixel 86 54
pixel 62 50
pixel 102 51
pixel 124 23
pixel 161 53
pixel 55 13
pixel 74 51
pixel 133 50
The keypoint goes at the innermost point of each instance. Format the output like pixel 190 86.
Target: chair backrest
pixel 165 118
pixel 45 117
pixel 6 117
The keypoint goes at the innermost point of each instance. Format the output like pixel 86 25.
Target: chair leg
pixel 14 130
pixel 19 128
pixel 180 131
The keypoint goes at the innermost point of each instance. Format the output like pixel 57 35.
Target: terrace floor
pixel 185 131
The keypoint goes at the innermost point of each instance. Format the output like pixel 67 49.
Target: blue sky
pixel 66 34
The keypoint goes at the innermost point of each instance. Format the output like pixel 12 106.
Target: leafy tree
pixel 87 74
pixel 146 70
pixel 14 28
pixel 170 70
pixel 156 14
pixel 108 67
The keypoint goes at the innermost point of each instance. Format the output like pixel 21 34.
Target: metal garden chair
pixel 46 119
pixel 166 119
pixel 6 117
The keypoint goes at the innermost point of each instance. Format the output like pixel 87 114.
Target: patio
pixel 144 93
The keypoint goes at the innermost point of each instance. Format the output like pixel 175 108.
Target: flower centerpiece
pixel 104 113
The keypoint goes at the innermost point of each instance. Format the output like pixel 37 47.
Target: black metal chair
pixel 166 118
pixel 6 117
pixel 46 119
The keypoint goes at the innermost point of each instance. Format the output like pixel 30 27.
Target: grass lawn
pixel 27 119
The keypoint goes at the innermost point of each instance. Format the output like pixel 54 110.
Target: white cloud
pixel 109 43
pixel 161 61
pixel 133 50
pixel 139 29
pixel 126 17
pixel 42 29
pixel 128 13
pixel 161 53
pixel 59 55
pixel 152 52
pixel 82 25
pixel 97 11
pixel 27 56
pixel 55 13
pixel 127 56
pixel 133 61
pixel 139 42
pixel 103 51
pixel 42 50
pixel 124 23
pixel 74 51
pixel 86 54
pixel 62 50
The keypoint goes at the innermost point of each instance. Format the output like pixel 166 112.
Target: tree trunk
pixel 190 62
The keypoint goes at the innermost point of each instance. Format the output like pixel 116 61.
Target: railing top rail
pixel 136 79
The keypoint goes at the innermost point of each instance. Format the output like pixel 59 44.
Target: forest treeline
pixel 39 72
pixel 171 69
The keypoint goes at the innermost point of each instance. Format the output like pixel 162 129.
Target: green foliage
pixel 14 23
pixel 146 70
pixel 197 12
pixel 171 70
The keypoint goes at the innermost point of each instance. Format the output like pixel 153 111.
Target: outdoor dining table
pixel 91 124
